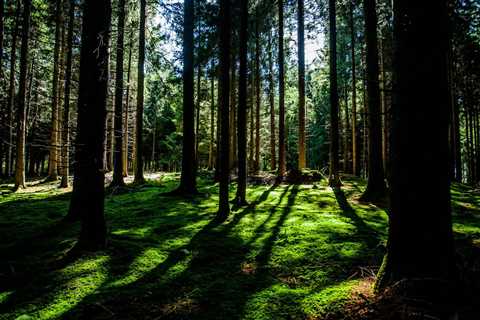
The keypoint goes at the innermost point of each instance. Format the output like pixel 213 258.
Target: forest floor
pixel 296 252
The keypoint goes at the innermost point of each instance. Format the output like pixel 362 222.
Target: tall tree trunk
pixel 88 189
pixel 224 30
pixel 346 142
pixel 139 178
pixel 302 160
pixel 258 100
pixel 11 90
pixel 197 116
pixel 22 86
pixel 211 157
pixel 66 101
pixel 233 103
pixel 271 97
pixel 188 184
pixel 420 244
pixel 53 148
pixel 127 108
pixel 355 153
pixel 242 108
pixel 118 117
pixel 334 179
pixel 376 187
pixel 282 157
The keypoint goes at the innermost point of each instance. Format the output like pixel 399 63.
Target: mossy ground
pixel 298 251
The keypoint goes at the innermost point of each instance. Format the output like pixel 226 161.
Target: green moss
pixel 292 254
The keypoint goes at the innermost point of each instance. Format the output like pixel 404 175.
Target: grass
pixel 296 252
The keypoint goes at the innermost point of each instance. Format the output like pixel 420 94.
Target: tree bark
pixel 271 97
pixel 420 247
pixel 376 187
pixel 334 178
pixel 188 183
pixel 302 160
pixel 66 101
pixel 117 180
pixel 89 190
pixel 211 156
pixel 127 108
pixel 22 87
pixel 355 153
pixel 53 148
pixel 224 30
pixel 242 108
pixel 282 166
pixel 258 101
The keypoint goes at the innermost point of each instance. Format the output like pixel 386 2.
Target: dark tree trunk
pixel 88 189
pixel 376 187
pixel 211 156
pixel 420 244
pixel 22 87
pixel 127 108
pixel 282 165
pixel 225 30
pixel 334 178
pixel 117 180
pixel 197 116
pixel 302 160
pixel 139 177
pixel 53 148
pixel 66 108
pixel 188 184
pixel 242 108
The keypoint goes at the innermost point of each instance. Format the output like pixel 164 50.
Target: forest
pixel 220 159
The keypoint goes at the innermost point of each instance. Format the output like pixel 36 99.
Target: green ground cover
pixel 297 252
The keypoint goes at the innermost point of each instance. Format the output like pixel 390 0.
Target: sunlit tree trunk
pixel 256 166
pixel 22 86
pixel 302 160
pixel 139 177
pixel 282 157
pixel 271 98
pixel 355 153
pixel 126 120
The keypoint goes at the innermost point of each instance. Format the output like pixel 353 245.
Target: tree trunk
pixel 376 187
pixel 66 108
pixel 233 103
pixel 89 190
pixel 22 86
pixel 211 157
pixel 258 100
pixel 420 244
pixel 139 178
pixel 188 184
pixel 53 148
pixel 127 108
pixel 242 108
pixel 355 153
pixel 197 116
pixel 334 179
pixel 271 96
pixel 117 180
pixel 302 160
pixel 11 90
pixel 282 165
pixel 224 30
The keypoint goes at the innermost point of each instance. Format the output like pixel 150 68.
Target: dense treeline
pixel 235 88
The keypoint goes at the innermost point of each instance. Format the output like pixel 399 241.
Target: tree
pixel 334 178
pixel 89 189
pixel 376 187
pixel 271 98
pixel 302 160
pixel 66 101
pixel 139 177
pixel 22 87
pixel 242 107
pixel 118 114
pixel 281 94
pixel 355 153
pixel 188 184
pixel 224 30
pixel 53 156
pixel 420 243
